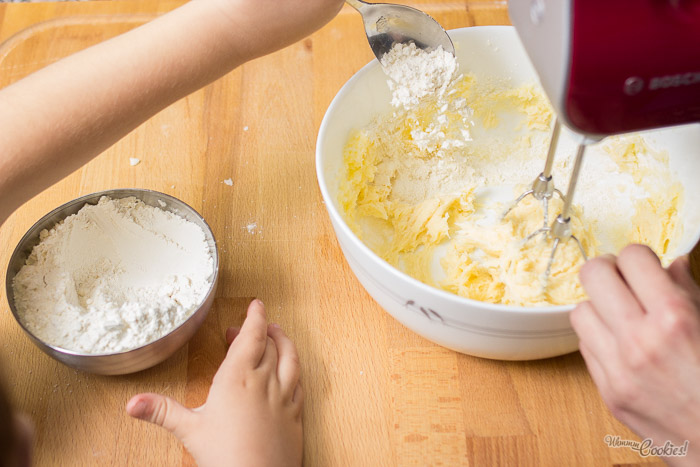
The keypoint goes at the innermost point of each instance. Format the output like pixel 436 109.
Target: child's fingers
pixel 24 431
pixel 231 334
pixel 268 362
pixel 288 368
pixel 298 394
pixel 162 411
pixel 251 341
pixel 298 398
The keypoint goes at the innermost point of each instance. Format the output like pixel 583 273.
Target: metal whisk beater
pixel 543 186
pixel 543 189
pixel 561 228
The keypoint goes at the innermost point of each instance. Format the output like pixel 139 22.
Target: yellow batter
pixel 413 183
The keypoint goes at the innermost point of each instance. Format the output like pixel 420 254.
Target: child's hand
pixel 263 26
pixel 640 337
pixel 252 416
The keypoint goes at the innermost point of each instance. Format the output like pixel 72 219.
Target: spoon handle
pixel 356 4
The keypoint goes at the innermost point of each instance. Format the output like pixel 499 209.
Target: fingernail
pixel 259 302
pixel 275 325
pixel 138 409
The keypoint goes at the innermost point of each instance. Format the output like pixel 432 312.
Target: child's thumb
pixel 162 411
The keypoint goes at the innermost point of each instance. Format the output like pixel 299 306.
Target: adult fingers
pixel 608 292
pixel 249 346
pixel 288 367
pixel 592 331
pixel 679 271
pixel 596 370
pixel 650 282
pixel 162 411
pixel 599 348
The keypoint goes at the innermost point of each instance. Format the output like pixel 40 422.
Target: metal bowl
pixel 139 358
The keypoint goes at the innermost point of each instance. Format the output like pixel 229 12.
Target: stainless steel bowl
pixel 142 357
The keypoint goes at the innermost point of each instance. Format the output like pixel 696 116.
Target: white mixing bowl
pixel 469 326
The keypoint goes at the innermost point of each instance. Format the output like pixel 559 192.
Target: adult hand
pixel 640 337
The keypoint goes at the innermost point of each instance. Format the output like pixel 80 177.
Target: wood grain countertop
pixel 376 393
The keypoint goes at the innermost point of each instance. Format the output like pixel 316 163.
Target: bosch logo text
pixel 674 81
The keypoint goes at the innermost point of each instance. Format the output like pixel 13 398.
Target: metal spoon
pixel 387 24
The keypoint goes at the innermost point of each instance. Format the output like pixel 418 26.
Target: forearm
pixel 57 119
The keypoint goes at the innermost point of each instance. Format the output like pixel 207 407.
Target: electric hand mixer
pixel 608 67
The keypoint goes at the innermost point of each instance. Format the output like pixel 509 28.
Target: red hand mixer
pixel 608 67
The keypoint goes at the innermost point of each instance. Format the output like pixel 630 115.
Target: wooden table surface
pixel 377 394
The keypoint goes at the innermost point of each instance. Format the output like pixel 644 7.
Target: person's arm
pixel 57 119
pixel 640 337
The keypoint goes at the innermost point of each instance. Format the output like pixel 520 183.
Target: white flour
pixel 416 73
pixel 113 277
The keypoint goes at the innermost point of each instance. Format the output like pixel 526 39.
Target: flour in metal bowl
pixel 113 277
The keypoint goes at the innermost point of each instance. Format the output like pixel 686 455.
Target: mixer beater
pixel 543 189
pixel 609 67
pixel 543 186
pixel 560 230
